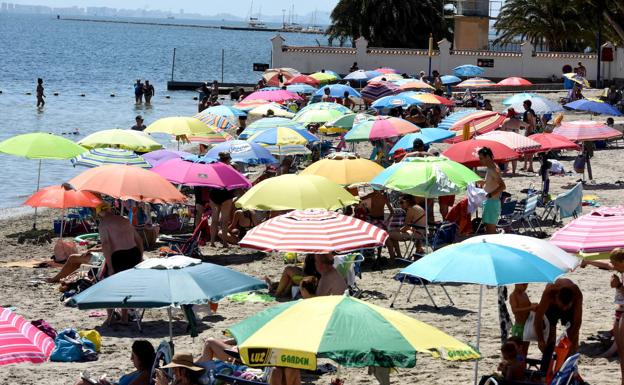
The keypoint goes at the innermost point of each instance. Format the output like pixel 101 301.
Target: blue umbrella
pixel 540 105
pixel 269 89
pixel 453 118
pixel 224 111
pixel 450 79
pixel 427 135
pixel 337 90
pixel 241 151
pixel 266 123
pixel 301 88
pixel 362 75
pixel 468 70
pixel 518 98
pixel 392 101
pixel 593 106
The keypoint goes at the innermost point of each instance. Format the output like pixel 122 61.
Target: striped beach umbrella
pixel 476 83
pixel 516 142
pixel 275 79
pixel 246 105
pixel 479 122
pixel 278 96
pixel 412 84
pixel 346 330
pixel 428 98
pixel 314 231
pixel 386 78
pixel 303 79
pixel 266 123
pixel 99 156
pixel 20 341
pixel 600 231
pixel 581 130
pixel 216 121
pixel 281 136
pixel 268 74
pixel 514 82
pixel 466 152
pixel 225 111
pixel 378 89
pixel 380 127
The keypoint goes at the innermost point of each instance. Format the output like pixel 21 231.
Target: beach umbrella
pixel 269 122
pixel 347 330
pixel 288 150
pixel 344 168
pixel 247 105
pixel 324 106
pixel 412 84
pixel 380 127
pixel 314 231
pixel 296 192
pixel 343 124
pixel 40 145
pixel 178 125
pixel 128 182
pixel 269 73
pixel 582 130
pixel 216 136
pixel 449 79
pixel 127 139
pixel 277 109
pixel 427 135
pixel 154 158
pixel 466 152
pixel 222 110
pixel 325 77
pixel 281 136
pixel 482 263
pixel 337 91
pixel 278 96
pixel 216 175
pixel 386 70
pixel 539 104
pixel 21 341
pixel 317 116
pixel 516 142
pixel 270 88
pixel 390 78
pixel 301 88
pixel 598 232
pixel 553 142
pixel 165 283
pixel 514 82
pixel 62 197
pixel 303 79
pixel 428 98
pixel 468 70
pixel 241 151
pixel 541 248
pixel 217 122
pixel 275 81
pixel 479 122
pixel 393 101
pixel 476 83
pixel 518 98
pixel 378 89
pixel 576 78
pixel 362 75
pixel 593 107
pixel 100 156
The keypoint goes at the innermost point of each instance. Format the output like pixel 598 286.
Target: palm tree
pixel 389 23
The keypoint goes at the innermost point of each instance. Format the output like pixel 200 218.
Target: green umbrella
pixel 317 116
pixel 41 145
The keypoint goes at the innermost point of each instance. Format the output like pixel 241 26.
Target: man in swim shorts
pixel 493 186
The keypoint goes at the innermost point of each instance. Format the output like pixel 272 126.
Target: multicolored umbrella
pixel 344 329
pixel 128 182
pixel 278 96
pixel 466 152
pixel 159 156
pixel 576 78
pixel 303 79
pixel 314 231
pixel 242 152
pixel 228 111
pixel 516 142
pixel 554 142
pixel 476 83
pixel 582 130
pixel 427 135
pixel 275 79
pixel 337 91
pixel 428 98
pixel 386 78
pixel 276 109
pixel 343 124
pixel 468 70
pixel 479 122
pixel 20 341
pixel 301 88
pixel 412 84
pixel 247 105
pixel 281 136
pixel 518 98
pixel 344 168
pixel 380 127
pixel 296 192
pixel 216 121
pixel 362 75
pixel 378 89
pixel 216 175
pixel 99 156
pixel 597 232
pixel 593 107
pixel 216 136
pixel 514 82
pixel 266 123
pixel 539 104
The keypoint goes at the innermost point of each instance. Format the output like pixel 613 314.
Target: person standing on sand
pixel 138 92
pixel 530 119
pixel 148 92
pixel 493 186
pixel 40 94
pixel 521 307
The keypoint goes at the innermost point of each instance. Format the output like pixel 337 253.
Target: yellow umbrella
pixel 117 138
pixel 277 109
pixel 296 192
pixel 576 78
pixel 179 125
pixel 345 169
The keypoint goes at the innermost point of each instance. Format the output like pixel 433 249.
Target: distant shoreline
pixel 141 23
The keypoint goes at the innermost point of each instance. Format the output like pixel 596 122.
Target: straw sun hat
pixel 183 360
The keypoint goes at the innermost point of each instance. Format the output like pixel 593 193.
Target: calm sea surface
pixel 100 59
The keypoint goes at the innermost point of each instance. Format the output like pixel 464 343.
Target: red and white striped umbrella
pixel 516 142
pixel 600 231
pixel 581 130
pixel 314 231
pixel 20 341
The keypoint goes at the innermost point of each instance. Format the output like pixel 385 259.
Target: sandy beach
pixel 24 289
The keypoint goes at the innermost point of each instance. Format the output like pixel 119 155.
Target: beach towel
pixel 251 297
pixel 461 217
pixel 569 203
pixel 503 313
pixel 476 196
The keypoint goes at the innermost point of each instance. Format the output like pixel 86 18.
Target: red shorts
pixel 448 200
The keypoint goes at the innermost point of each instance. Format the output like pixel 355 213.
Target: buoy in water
pixel 166 96
pixel 112 95
pixel 195 98
pixel 82 95
pixel 55 94
pixel 28 93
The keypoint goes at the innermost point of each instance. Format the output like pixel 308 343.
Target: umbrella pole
pixel 38 181
pixel 426 226
pixel 170 325
pixel 62 223
pixel 476 364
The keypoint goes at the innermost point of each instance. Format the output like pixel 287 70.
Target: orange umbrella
pixel 128 182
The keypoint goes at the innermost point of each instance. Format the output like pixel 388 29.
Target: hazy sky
pixel 207 7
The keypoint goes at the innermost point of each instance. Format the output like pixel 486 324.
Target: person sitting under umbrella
pixel 185 372
pixel 415 216
pixel 331 282
pixel 293 275
pixel 242 222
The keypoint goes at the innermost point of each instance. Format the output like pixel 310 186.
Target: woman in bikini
pixel 242 222
pixel 414 216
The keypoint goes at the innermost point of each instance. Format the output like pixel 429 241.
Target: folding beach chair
pixel 565 205
pixel 566 375
pixel 417 281
pixel 188 245
pixel 526 215
pixel 164 354
pixel 348 266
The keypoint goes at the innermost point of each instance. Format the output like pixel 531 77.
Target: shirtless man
pixel 493 186
pixel 375 204
pixel 561 301
pixel 331 282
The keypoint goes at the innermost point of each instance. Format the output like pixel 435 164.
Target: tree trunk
pixel 619 29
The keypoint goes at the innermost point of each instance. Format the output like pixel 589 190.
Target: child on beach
pixel 511 368
pixel 521 306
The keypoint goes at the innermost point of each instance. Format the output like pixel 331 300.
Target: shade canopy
pixel 217 122
pixel 41 145
pixel 62 197
pixel 216 175
pixel 345 169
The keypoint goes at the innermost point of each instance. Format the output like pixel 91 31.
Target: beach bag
pixel 93 336
pixel 70 347
pixel 171 222
pixel 529 328
pixel 579 163
pixel 44 327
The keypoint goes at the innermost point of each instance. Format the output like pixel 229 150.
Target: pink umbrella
pixel 277 96
pixel 581 130
pixel 552 142
pixel 386 70
pixel 157 157
pixel 514 81
pixel 600 231
pixel 217 175
pixel 20 341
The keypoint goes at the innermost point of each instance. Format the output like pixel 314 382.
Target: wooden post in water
pixel 173 63
pixel 222 62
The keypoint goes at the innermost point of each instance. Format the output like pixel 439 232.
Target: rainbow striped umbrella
pixel 247 105
pixel 99 156
pixel 378 89
pixel 476 83
pixel 427 98
pixel 581 130
pixel 20 341
pixel 281 136
pixel 344 329
pixel 380 127
pixel 220 122
pixel 266 123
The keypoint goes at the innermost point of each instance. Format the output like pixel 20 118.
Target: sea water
pixel 100 60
